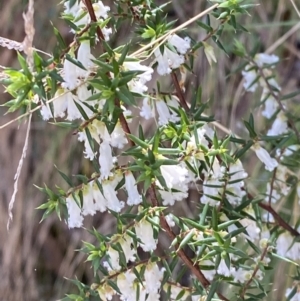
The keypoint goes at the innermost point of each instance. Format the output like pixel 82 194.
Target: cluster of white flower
pixel 137 84
pixel 252 77
pixel 239 275
pixel 215 182
pixel 66 99
pixel 176 179
pixel 126 242
pixel 163 108
pixel 81 17
pixel 168 59
pixel 128 285
pixel 144 232
pixel 93 199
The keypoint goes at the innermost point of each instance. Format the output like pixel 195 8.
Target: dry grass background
pixel 35 258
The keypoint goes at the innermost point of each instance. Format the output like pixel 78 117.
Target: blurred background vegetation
pixel 34 257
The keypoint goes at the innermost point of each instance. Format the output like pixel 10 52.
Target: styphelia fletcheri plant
pixel 228 243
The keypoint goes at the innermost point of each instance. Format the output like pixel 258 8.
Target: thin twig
pixel 28 49
pixel 264 253
pixel 164 37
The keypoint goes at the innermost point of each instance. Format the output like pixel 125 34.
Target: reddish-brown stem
pixel 280 221
pixel 100 35
pixel 179 92
pixel 196 271
pixel 188 262
pixel 91 11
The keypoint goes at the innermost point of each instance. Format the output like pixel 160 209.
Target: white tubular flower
pixel 85 57
pixel 192 148
pixel 147 110
pixel 280 125
pixel 75 219
pixel 177 178
pixel 71 10
pixel 100 201
pixel 72 110
pixel 105 292
pixel 252 75
pixel 169 220
pixel 271 81
pixel 60 104
pixel 153 277
pixel 134 198
pixel 118 138
pixel 126 242
pixel 249 78
pixel 251 228
pixel 224 270
pixel 265 59
pixel 182 45
pixel 169 197
pixel 88 152
pixel 174 175
pixel 290 150
pixel 137 84
pixel 46 112
pixel 237 173
pixel 271 105
pixel 208 273
pixel 99 9
pixel 106 32
pixel 264 157
pixel 163 111
pixel 102 131
pixel 241 275
pixel 83 94
pixel 106 160
pixel 212 188
pixel 127 286
pixel 88 207
pixel 209 52
pixel 144 232
pixel 114 258
pixel 167 61
pixel 174 103
pixel 113 203
pixel 69 75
